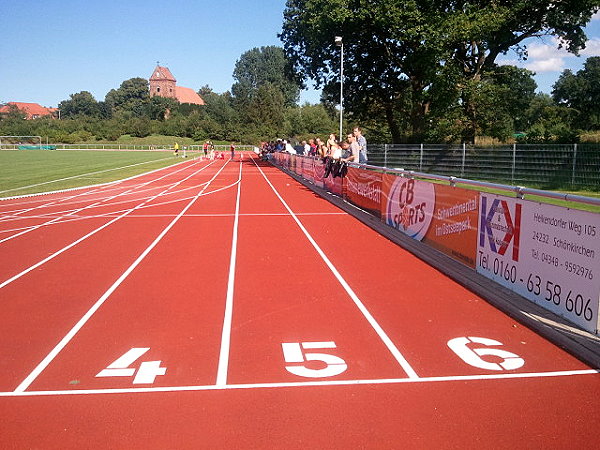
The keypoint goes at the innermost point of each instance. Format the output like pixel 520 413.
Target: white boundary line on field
pixel 360 382
pixel 57 220
pixel 80 324
pixel 60 191
pixel 93 232
pixel 360 305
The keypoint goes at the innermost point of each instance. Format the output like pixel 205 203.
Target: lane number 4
pixel 298 359
pixel 473 356
pixel 146 374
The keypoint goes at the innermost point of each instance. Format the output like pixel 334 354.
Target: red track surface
pixel 209 268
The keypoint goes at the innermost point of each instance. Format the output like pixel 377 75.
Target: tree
pixel 80 104
pixel 131 96
pixel 581 92
pixel 261 67
pixel 404 57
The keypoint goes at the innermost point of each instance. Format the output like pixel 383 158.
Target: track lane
pixel 172 303
pixel 312 307
pixel 68 284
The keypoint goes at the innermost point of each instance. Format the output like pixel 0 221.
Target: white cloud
pixel 596 16
pixel 546 51
pixel 592 48
pixel 546 65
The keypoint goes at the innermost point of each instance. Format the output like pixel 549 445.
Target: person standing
pixel 176 149
pixel 362 143
pixel 205 149
pixel 354 149
pixel 232 148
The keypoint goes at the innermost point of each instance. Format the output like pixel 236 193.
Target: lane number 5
pixel 297 359
pixel 473 356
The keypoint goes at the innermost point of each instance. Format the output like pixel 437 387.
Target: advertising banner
pixel 292 162
pixel 548 254
pixel 333 184
pixel 363 188
pixel 319 171
pixel 307 169
pixel 443 217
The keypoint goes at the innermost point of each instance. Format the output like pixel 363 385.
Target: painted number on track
pixel 473 355
pixel 146 374
pixel 297 359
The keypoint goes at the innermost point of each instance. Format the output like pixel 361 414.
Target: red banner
pixel 443 217
pixel 363 188
pixel 319 171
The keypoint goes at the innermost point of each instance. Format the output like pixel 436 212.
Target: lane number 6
pixel 295 356
pixel 473 356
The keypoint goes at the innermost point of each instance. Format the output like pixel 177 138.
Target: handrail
pixel 520 191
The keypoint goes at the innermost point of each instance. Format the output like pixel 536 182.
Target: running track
pixel 151 313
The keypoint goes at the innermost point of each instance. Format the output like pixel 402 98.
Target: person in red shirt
pixel 232 148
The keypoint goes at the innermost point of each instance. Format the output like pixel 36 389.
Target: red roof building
pixel 30 110
pixel 164 84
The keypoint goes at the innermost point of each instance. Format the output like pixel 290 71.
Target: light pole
pixel 340 43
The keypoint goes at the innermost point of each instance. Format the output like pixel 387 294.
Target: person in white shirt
pixel 289 148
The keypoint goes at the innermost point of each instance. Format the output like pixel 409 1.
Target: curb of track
pixel 581 344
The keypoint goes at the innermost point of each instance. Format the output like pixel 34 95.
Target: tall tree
pixel 131 96
pixel 260 67
pixel 81 104
pixel 581 92
pixel 400 52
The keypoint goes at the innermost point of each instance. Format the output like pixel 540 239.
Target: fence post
pixel 574 164
pixel 514 162
pixel 385 146
pixel 464 153
pixel 421 160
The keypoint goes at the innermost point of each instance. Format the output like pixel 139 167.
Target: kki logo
pixel 410 207
pixel 497 220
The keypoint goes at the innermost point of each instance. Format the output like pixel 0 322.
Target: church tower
pixel 162 83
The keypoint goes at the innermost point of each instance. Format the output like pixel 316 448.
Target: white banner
pixel 548 254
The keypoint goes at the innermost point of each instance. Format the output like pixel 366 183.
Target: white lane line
pixel 374 324
pixel 226 333
pixel 361 382
pixel 81 175
pixel 92 205
pixel 91 233
pixel 113 185
pixel 61 345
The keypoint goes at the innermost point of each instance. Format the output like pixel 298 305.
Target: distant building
pixel 164 84
pixel 29 110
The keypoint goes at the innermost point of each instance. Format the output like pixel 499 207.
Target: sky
pixel 53 48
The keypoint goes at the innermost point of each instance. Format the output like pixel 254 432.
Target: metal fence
pixel 575 165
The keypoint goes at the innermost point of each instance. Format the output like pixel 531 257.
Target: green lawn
pixel 31 171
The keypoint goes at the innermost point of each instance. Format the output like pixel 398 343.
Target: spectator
pixel 362 142
pixel 331 142
pixel 289 148
pixel 321 149
pixel 354 148
pixel 306 148
pixel 313 147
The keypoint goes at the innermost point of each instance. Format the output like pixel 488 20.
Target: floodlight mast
pixel 340 43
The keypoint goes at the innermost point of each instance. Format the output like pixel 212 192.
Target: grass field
pixel 31 171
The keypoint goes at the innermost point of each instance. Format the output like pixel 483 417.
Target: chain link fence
pixel 547 166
